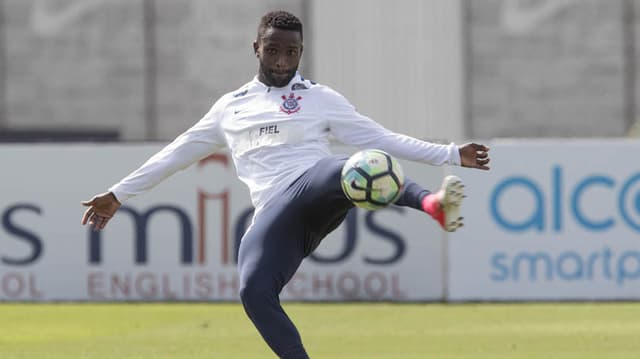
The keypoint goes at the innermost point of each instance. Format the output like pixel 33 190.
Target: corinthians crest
pixel 290 104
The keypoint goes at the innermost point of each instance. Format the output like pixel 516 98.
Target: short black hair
pixel 280 20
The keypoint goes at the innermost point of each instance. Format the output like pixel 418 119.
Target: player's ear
pixel 255 48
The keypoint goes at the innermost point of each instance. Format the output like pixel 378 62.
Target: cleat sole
pixel 453 190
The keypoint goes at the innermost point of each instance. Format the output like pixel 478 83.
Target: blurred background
pixel 90 89
pixel 145 70
pixel 101 85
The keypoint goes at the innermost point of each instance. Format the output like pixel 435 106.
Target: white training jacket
pixel 274 135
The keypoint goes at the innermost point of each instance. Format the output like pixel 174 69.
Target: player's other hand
pixel 474 155
pixel 101 209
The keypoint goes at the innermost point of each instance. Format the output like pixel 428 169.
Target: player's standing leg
pixel 270 252
pixel 281 235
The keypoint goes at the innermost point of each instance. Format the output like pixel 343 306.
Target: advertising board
pixel 179 240
pixel 552 220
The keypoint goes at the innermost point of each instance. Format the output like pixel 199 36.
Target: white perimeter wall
pixel 194 220
pixel 552 220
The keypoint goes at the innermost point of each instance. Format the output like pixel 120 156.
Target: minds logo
pixel 596 202
pixel 194 238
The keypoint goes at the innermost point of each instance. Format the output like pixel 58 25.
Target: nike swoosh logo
pixel 47 22
pixel 355 186
pixel 520 20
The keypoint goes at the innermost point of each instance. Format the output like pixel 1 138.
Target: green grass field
pixel 543 330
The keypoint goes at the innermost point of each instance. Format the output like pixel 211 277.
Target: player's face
pixel 279 52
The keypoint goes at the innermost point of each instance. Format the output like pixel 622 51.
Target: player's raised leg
pixel 362 167
pixel 443 205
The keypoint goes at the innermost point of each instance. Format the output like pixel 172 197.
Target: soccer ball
pixel 372 179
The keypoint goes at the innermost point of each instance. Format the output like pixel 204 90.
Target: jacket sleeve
pixel 199 141
pixel 351 128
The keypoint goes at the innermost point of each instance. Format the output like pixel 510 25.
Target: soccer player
pixel 276 128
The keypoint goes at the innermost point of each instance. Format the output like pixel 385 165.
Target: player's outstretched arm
pixel 474 155
pixel 101 209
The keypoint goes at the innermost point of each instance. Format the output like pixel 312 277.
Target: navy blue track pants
pixel 282 235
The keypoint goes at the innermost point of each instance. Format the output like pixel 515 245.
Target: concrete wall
pixel 436 69
pixel 547 68
pixel 69 64
pixel 146 68
pixel 398 62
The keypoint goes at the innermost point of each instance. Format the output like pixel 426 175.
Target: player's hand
pixel 101 209
pixel 474 155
